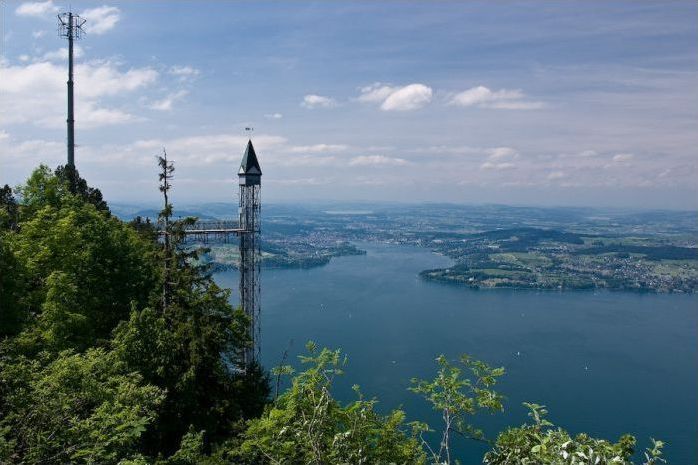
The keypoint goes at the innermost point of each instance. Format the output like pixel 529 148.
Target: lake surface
pixel 605 363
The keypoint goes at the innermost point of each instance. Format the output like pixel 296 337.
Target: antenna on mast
pixel 70 27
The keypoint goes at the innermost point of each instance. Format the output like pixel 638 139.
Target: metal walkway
pixel 206 230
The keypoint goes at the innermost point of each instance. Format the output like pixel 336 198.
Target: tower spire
pixel 249 164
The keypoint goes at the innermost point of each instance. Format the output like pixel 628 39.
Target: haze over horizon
pixel 580 104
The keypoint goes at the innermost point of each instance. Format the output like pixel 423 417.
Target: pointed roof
pixel 249 164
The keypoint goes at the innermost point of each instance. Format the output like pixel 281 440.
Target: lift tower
pixel 247 227
pixel 70 27
pixel 250 181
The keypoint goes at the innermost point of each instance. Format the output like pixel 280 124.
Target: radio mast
pixel 70 27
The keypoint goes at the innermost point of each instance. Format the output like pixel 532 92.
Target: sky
pixel 521 103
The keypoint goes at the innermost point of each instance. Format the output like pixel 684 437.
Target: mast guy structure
pixel 250 181
pixel 70 27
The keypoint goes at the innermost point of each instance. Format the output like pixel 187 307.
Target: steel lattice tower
pixel 250 180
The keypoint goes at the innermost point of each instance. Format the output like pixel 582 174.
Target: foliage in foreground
pixel 77 408
pixel 457 396
pixel 308 425
pixel 541 443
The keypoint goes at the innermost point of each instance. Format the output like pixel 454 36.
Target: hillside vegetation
pixel 116 348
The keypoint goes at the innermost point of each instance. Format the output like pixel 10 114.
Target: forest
pixel 119 348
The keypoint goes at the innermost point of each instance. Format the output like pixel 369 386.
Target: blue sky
pixel 538 103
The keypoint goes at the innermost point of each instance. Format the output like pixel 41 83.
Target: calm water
pixel 605 363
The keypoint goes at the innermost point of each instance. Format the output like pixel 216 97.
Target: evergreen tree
pixel 9 210
pixel 78 187
pixel 12 287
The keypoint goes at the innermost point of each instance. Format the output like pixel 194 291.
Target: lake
pixel 603 362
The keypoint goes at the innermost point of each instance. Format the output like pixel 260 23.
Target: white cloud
pixel 273 116
pixel 623 157
pixel 587 153
pixel 499 153
pixel 90 115
pixel 515 105
pixel 38 34
pixel 556 175
pixel 184 73
pixel 36 9
pixel 376 93
pixel 584 154
pixel 306 160
pixel 367 160
pixel 204 149
pixel 450 150
pixel 317 101
pixel 29 153
pixel 166 103
pixel 301 181
pixel 62 54
pixel 106 79
pixel 101 19
pixel 318 148
pixel 410 97
pixel 500 158
pixel 396 98
pixel 504 99
pixel 480 94
pixel 497 166
pixel 35 93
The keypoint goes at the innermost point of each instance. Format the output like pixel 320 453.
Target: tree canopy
pixel 93 368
